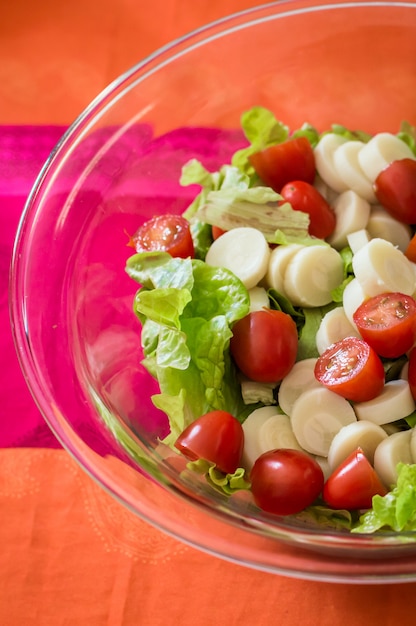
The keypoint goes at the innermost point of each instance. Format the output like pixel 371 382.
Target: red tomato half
pixel 410 251
pixel 352 369
pixel 395 189
pixel 285 481
pixel 291 160
pixel 217 437
pixel 411 372
pixel 217 232
pixel 353 484
pixel 167 233
pixel 264 345
pixel 388 323
pixel 304 197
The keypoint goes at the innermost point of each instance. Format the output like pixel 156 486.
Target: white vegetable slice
pixel 380 151
pixel 311 275
pixel 334 326
pixel 252 392
pixel 352 213
pixel 381 224
pixel 404 372
pixel 358 239
pixel 258 299
pixel 251 427
pixel 346 162
pixel 392 404
pixel 317 416
pixel 393 450
pixel 300 378
pixel 380 267
pixel 278 262
pixel 324 465
pixel 363 434
pixel 242 250
pixel 324 161
pixel 329 194
pixel 276 432
pixel 352 297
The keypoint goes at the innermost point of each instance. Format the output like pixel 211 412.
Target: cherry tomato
pixel 279 164
pixel 388 323
pixel 217 232
pixel 168 233
pixel 395 189
pixel 353 484
pixel 285 481
pixel 411 372
pixel 410 251
pixel 264 345
pixel 352 369
pixel 217 437
pixel 304 197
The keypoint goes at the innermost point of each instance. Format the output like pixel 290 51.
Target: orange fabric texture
pixel 57 56
pixel 72 556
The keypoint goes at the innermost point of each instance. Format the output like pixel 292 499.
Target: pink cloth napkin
pixel 23 150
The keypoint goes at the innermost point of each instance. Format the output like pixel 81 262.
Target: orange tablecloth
pixel 69 554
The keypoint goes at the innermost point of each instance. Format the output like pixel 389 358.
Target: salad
pixel 279 318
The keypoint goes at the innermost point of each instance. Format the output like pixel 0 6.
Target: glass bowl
pixel 119 163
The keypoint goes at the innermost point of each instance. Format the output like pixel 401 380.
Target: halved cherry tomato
pixel 217 437
pixel 217 232
pixel 410 251
pixel 353 484
pixel 411 372
pixel 167 233
pixel 303 196
pixel 279 164
pixel 388 323
pixel 264 345
pixel 395 189
pixel 352 369
pixel 285 481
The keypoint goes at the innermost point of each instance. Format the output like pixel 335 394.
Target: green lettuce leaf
pixel 325 517
pixel 261 129
pixel 397 509
pixel 348 274
pixel 194 173
pixel 307 334
pixel 187 308
pixel 308 131
pixel 407 133
pixel 225 483
pixel 350 135
pixel 257 207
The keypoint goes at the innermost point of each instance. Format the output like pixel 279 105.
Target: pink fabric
pixel 23 150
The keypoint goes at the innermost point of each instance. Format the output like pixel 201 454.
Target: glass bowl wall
pixel 119 164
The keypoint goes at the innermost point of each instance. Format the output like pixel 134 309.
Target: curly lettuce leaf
pixel 261 129
pixel 348 274
pixel 397 509
pixel 225 483
pixel 187 308
pixel 350 135
pixel 407 133
pixel 326 517
pixel 194 173
pixel 257 207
